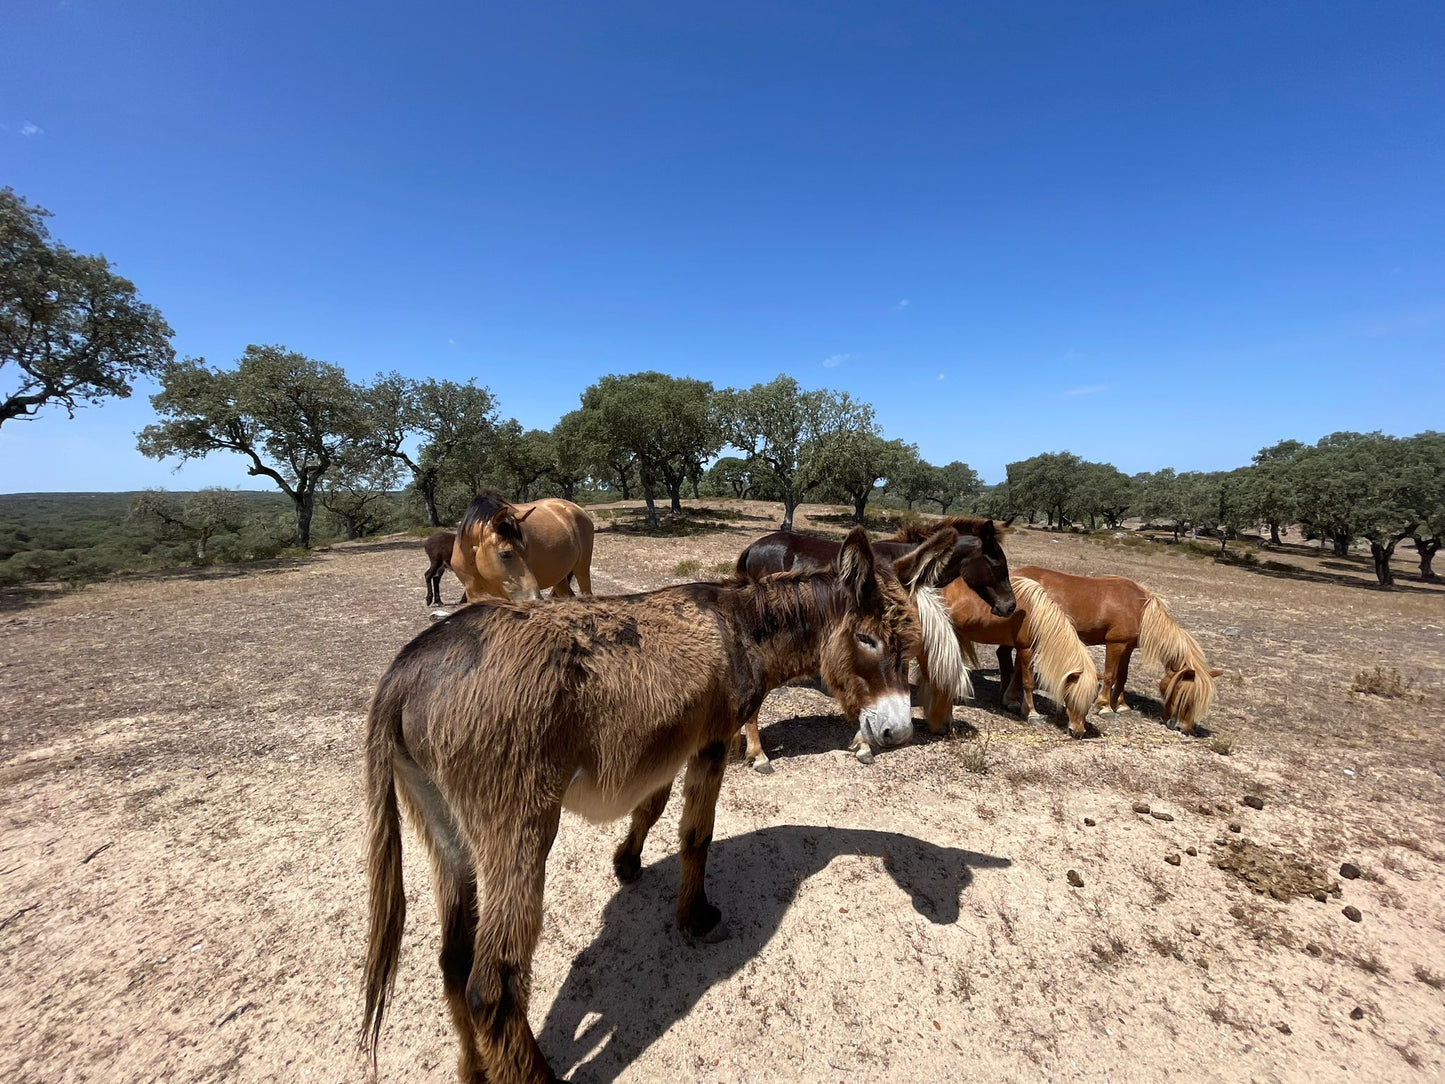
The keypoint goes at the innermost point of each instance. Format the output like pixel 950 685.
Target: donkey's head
pixel 492 530
pixel 864 659
pixel 1186 695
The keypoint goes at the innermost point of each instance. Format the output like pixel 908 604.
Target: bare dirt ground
pixel 181 880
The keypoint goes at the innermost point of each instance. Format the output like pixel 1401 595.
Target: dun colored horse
pixel 1122 615
pixel 1047 645
pixel 971 560
pixel 518 550
pixel 492 721
pixel 439 551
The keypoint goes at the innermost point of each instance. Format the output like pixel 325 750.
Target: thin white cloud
pixel 451 342
pixel 835 360
pixel 1092 389
pixel 902 305
pixel 28 129
pixel 941 376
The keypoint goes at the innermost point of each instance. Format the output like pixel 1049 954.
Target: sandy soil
pixel 181 882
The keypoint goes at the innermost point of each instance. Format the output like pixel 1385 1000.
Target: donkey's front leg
pixel 700 788
pixel 627 859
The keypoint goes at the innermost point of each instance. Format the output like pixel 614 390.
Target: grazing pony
pixel 987 571
pixel 1122 615
pixel 492 721
pixel 786 551
pixel 518 550
pixel 439 551
pixel 1047 645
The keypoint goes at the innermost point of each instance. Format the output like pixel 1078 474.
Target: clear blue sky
pixel 1153 234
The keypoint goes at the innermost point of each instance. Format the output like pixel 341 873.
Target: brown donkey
pixel 488 723
pixel 1122 615
pixel 507 550
pixel 439 552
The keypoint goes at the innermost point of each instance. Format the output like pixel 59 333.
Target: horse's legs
pixel 563 587
pixel 627 859
pixel 1104 701
pixel 1005 667
pixel 1026 681
pixel 1116 696
pixel 512 856
pixel 583 572
pixel 699 795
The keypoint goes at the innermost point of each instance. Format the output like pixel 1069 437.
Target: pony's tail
pixel 383 864
pixel 1058 651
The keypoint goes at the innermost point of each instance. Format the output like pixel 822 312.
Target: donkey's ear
pixel 527 513
pixel 856 564
pixel 1216 673
pixel 925 566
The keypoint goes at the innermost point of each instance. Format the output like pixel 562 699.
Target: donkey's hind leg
pixel 695 915
pixel 512 858
pixel 752 744
pixel 627 859
pixel 456 896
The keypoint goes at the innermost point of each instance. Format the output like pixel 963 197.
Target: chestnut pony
pixel 1122 615
pixel 493 720
pixel 518 550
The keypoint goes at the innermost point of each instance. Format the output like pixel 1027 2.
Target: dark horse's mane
pixel 486 504
pixel 984 528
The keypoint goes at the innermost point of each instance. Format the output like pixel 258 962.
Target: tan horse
pixel 492 721
pixel 516 551
pixel 1047 645
pixel 1122 615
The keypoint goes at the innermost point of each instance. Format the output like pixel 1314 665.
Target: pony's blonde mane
pixel 946 667
pixel 1058 651
pixel 1167 645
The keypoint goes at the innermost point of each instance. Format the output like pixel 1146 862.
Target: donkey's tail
pixel 383 862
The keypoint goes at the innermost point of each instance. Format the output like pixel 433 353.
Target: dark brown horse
pixel 439 552
pixel 1122 615
pixel 492 721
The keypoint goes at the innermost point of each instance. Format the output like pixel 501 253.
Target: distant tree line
pixel 72 332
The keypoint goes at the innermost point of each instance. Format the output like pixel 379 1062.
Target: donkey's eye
pixel 867 641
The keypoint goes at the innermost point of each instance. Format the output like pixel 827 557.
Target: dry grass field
pixel 182 890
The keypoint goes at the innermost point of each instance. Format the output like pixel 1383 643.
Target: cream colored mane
pixel 1058 651
pixel 946 666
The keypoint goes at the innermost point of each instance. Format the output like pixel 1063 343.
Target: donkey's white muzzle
pixel 887 721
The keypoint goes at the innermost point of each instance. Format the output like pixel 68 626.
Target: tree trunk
pixel 626 489
pixel 1223 542
pixel 1274 539
pixel 674 491
pixel 569 490
pixel 1425 549
pixel 1381 554
pixel 305 506
pixel 427 487
pixel 1342 545
pixel 860 509
pixel 790 502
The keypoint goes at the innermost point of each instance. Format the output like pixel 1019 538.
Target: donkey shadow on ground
pixel 640 976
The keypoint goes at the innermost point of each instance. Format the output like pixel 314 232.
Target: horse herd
pixel 493 720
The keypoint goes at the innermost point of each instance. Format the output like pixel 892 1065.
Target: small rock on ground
pixel 1172 859
pixel 1349 871
pixel 1160 815
pixel 1254 801
pixel 1089 822
pixel 1191 851
pixel 1141 807
pixel 1357 1013
pixel 1353 913
pixel 1234 828
pixel 1074 879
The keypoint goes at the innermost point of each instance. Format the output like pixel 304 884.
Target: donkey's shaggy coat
pixel 491 721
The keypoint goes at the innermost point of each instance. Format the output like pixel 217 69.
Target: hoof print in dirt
pixel 1357 1013
pixel 1349 871
pixel 1074 879
pixel 1353 913
pixel 1160 815
pixel 1141 807
pixel 1089 822
pixel 1254 801
pixel 1173 859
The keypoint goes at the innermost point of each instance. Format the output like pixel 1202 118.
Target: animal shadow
pixel 640 976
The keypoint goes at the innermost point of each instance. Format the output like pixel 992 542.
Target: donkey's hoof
pixel 762 765
pixel 627 867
